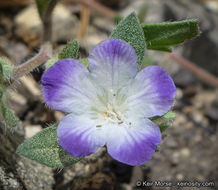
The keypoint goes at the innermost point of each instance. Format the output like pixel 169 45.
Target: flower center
pixel 110 108
pixel 112 115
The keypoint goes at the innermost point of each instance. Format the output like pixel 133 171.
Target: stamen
pixel 118 117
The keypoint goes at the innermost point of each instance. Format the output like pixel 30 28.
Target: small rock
pixel 171 143
pixel 212 5
pixel 179 177
pixel 175 158
pixel 31 130
pixel 183 78
pixel 102 181
pixel 179 93
pixel 212 111
pixel 29 27
pixel 185 152
pixel 198 138
pixel 15 51
pixel 103 24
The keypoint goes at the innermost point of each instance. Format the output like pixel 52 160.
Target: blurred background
pixel 189 153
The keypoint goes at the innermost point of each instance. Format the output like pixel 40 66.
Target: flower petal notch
pixel 110 104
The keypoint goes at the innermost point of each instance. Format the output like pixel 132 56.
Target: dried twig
pixel 84 22
pixel 15 3
pixel 204 75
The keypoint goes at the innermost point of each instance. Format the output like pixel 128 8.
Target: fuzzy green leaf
pixel 1 93
pixel 164 121
pixel 8 116
pixel 51 62
pixel 117 19
pixel 129 30
pixel 1 74
pixel 45 149
pixel 169 115
pixel 70 50
pixel 84 61
pixel 161 36
pixel 6 69
pixel 163 126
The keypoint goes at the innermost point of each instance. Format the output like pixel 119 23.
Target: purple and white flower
pixel 110 103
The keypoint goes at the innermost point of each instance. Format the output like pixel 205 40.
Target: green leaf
pixel 45 149
pixel 161 36
pixel 129 30
pixel 117 19
pixel 51 62
pixel 143 12
pixel 8 115
pixel 169 115
pixel 70 50
pixel 163 127
pixel 6 69
pixel 1 73
pixel 1 92
pixel 84 61
pixel 164 121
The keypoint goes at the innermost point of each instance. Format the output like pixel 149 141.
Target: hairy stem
pixel 43 55
pixel 204 75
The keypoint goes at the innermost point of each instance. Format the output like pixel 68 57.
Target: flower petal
pixel 113 62
pixel 79 135
pixel 66 86
pixel 133 145
pixel 151 93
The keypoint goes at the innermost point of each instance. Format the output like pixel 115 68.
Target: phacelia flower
pixel 110 103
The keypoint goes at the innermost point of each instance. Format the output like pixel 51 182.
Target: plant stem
pixel 204 75
pixel 47 22
pixel 43 55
